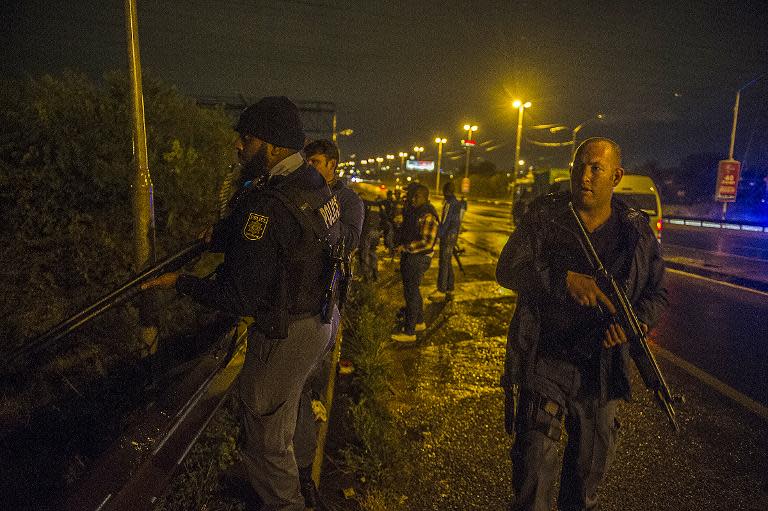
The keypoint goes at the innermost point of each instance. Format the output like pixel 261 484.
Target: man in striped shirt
pixel 417 239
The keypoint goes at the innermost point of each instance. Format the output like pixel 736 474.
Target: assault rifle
pixel 457 251
pixel 646 362
pixel 336 290
pixel 122 294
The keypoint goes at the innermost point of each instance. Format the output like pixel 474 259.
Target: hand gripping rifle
pixel 122 294
pixel 646 362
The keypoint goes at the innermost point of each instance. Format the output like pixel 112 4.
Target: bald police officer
pixel 276 267
pixel 569 363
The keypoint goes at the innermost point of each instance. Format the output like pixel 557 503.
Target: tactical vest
pixel 304 274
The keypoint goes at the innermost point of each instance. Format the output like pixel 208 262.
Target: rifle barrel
pixel 121 294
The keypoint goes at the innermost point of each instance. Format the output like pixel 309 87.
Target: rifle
pixel 457 251
pixel 646 362
pixel 120 295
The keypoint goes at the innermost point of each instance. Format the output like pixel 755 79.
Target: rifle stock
pixel 644 359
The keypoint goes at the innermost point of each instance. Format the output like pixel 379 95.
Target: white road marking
pixel 708 279
pixel 724 389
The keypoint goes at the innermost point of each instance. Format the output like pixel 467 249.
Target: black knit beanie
pixel 274 119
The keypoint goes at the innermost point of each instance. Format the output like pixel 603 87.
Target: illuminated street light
pixel 520 108
pixel 521 162
pixel 418 150
pixel 402 156
pixel 439 141
pixel 379 161
pixel 470 128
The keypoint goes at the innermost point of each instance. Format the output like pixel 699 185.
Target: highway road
pixel 719 328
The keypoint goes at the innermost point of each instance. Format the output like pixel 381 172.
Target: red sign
pixel 468 143
pixel 727 180
pixel 465 185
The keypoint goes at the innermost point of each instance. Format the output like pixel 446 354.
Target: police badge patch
pixel 255 227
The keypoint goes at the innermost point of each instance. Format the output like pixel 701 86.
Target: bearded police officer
pixel 567 360
pixel 276 269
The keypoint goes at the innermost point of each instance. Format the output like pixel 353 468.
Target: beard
pixel 255 167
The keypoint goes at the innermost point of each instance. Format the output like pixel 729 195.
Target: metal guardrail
pixel 140 465
pixel 715 224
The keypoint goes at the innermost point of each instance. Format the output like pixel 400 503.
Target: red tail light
pixel 658 225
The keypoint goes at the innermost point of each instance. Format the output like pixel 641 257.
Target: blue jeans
pixel 445 268
pixel 412 269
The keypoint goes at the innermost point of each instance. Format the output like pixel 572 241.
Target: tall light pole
pixel 520 108
pixel 402 156
pixel 733 127
pixel 470 128
pixel 418 150
pixel 577 129
pixel 379 161
pixel 439 141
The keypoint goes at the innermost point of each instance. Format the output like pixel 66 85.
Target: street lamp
pixel 379 161
pixel 439 141
pixel 402 156
pixel 418 150
pixel 520 107
pixel 470 128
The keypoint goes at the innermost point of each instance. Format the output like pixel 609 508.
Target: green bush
pixel 65 188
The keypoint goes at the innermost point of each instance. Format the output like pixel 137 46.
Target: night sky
pixel 664 73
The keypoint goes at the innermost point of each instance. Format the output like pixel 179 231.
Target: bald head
pixel 614 149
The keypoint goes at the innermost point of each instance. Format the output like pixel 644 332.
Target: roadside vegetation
pixel 66 239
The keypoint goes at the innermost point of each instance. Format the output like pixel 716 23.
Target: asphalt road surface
pixel 721 329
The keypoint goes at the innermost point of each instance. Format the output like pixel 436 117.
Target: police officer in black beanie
pixel 275 269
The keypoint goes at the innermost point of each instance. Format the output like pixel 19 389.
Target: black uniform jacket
pixel 352 213
pixel 272 263
pixel 524 267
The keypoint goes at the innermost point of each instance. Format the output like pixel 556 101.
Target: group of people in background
pixel 411 227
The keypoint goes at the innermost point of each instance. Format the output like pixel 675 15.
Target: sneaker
pixel 403 337
pixel 420 327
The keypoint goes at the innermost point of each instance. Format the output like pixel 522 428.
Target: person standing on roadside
pixel 417 241
pixel 323 155
pixel 566 359
pixel 276 245
pixel 448 233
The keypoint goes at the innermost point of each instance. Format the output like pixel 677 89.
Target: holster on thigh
pixel 539 413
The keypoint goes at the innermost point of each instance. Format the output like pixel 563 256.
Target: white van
pixel 640 192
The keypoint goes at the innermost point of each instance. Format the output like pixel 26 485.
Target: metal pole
pixel 733 140
pixel 466 166
pixel 439 160
pixel 517 155
pixel 735 119
pixel 573 142
pixel 143 203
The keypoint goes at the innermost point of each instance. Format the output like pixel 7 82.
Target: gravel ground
pixel 449 406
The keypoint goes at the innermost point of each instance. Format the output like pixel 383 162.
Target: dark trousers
pixel 367 254
pixel 592 431
pixel 445 266
pixel 270 386
pixel 412 269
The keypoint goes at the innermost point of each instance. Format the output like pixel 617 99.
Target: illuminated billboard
pixel 420 165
